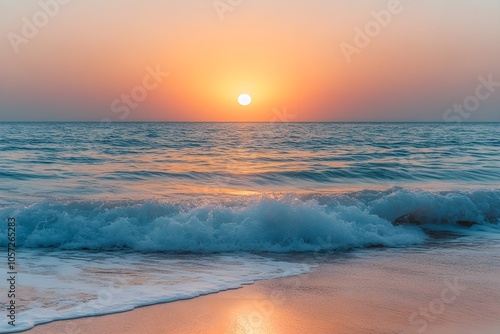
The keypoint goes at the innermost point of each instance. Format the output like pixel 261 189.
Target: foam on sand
pixel 56 285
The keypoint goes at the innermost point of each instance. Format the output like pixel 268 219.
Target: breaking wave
pixel 271 223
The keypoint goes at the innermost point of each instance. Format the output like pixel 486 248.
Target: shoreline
pixel 381 291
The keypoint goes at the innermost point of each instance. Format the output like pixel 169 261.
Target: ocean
pixel 112 216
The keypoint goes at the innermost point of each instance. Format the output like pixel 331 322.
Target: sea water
pixel 115 216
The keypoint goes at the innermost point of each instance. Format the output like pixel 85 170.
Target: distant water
pixel 93 201
pixel 156 160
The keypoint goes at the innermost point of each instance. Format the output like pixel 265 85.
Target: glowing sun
pixel 244 99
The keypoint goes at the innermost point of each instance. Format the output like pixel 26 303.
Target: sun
pixel 244 99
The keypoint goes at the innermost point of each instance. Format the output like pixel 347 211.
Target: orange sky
pixel 286 54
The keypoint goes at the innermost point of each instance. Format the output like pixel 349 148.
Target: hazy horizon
pixel 258 122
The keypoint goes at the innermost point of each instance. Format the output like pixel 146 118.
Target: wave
pixel 267 223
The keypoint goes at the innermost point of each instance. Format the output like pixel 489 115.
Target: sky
pixel 300 60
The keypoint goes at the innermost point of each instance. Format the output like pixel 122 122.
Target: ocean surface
pixel 111 216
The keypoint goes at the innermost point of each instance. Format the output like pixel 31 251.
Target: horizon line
pixel 255 122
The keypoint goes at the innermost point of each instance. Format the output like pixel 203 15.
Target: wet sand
pixel 445 289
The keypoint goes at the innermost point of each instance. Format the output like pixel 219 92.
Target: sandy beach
pixel 417 290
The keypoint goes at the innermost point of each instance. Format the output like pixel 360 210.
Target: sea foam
pixel 271 223
pixel 58 285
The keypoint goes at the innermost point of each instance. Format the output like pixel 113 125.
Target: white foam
pixel 58 285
